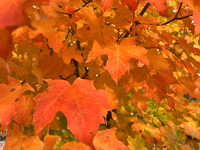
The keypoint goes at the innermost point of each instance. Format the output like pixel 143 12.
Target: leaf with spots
pixel 25 109
pixel 9 95
pixel 79 102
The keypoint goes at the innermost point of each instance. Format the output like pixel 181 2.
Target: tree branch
pixel 176 18
pixel 126 32
pixel 144 9
pixel 70 15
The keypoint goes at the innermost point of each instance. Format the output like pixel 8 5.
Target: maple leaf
pixel 24 109
pixel 157 61
pixel 8 95
pixel 79 103
pixel 40 41
pixel 49 141
pixel 195 5
pixel 161 6
pixel 122 18
pixel 152 134
pixel 106 4
pixel 75 146
pixel 46 28
pixel 157 84
pixel 6 43
pixel 133 58
pixel 91 30
pixel 13 67
pixel 171 101
pixel 14 138
pixel 70 52
pixel 133 79
pixel 119 56
pixel 107 139
pixel 137 143
pixel 32 143
pixel 139 96
pixel 192 131
pixel 172 134
pixel 132 4
pixel 20 34
pixel 55 66
pixel 10 10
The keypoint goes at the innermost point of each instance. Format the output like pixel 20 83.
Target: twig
pixel 126 32
pixel 70 15
pixel 144 9
pixel 83 6
pixel 176 18
pixel 178 10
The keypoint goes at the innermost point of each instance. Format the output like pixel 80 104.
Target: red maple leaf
pixel 12 13
pixel 79 103
pixel 161 6
pixel 132 4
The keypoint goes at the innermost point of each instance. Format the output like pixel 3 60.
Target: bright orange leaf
pixel 9 95
pixel 24 110
pixel 119 56
pixel 49 141
pixel 32 143
pixel 14 138
pixel 75 146
pixel 77 102
pixel 107 139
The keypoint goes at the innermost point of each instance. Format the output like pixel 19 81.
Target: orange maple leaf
pixel 9 95
pixel 46 28
pixel 119 56
pixel 25 108
pixel 79 103
pixel 49 141
pixel 157 84
pixel 107 139
pixel 75 146
pixel 195 5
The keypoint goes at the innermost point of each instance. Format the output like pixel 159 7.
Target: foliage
pixel 92 74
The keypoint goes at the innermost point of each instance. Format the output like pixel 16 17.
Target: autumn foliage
pixel 100 74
